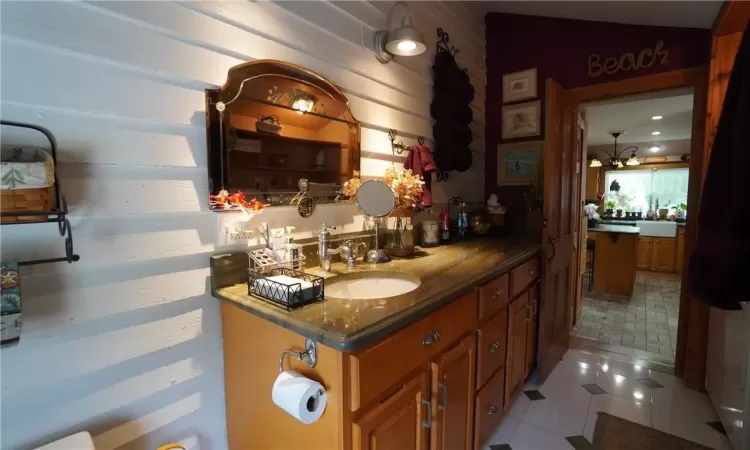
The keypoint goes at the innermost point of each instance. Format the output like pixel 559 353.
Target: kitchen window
pixel 669 186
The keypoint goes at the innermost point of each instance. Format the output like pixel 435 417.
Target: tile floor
pixel 584 383
pixel 645 321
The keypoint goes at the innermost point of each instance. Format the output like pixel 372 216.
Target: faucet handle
pixel 324 227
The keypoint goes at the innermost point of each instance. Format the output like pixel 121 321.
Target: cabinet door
pixel 680 252
pixel 515 362
pixel 664 253
pixel 531 330
pixel 401 422
pixel 453 386
pixel 592 183
pixel 644 253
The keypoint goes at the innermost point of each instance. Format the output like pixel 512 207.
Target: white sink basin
pixel 370 284
pixel 651 228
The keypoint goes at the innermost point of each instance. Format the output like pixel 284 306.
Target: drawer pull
pixel 494 347
pixel 491 411
pixel 432 337
pixel 498 293
pixel 442 406
pixel 427 423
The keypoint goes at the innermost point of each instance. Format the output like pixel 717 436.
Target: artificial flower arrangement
pixel 406 186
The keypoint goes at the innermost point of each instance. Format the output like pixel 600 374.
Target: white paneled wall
pixel 127 342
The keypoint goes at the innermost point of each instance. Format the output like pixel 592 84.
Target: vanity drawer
pixel 492 346
pixel 522 276
pixel 493 296
pixel 378 367
pixel 489 409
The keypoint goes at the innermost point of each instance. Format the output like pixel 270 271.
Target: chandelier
pixel 616 161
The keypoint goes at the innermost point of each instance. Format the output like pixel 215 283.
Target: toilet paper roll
pixel 301 397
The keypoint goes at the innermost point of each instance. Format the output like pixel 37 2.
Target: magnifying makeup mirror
pixel 375 199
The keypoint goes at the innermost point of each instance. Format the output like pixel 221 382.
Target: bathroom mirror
pixel 273 123
pixel 375 199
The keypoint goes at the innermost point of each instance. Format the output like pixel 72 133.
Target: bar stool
pixel 590 254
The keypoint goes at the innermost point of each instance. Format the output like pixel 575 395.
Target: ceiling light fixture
pixel 402 41
pixel 615 158
pixel 654 149
pixel 655 133
pixel 657 117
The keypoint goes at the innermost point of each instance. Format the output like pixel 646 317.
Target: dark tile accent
pixel 534 395
pixel 500 447
pixel 717 426
pixel 594 389
pixel 579 443
pixel 649 383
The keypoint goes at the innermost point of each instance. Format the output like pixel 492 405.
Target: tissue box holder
pixel 287 296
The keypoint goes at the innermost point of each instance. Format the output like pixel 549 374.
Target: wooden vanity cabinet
pixel 519 314
pixel 532 330
pixel 401 422
pixel 453 375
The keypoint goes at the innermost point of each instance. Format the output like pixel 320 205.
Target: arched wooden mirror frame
pixel 241 77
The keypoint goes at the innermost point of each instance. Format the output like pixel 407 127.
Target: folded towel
pixel 292 290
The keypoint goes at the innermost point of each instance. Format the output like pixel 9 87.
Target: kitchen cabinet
pixel 515 359
pixel 401 422
pixel 663 255
pixel 531 330
pixel 592 183
pixel 680 251
pixel 453 397
pixel 644 254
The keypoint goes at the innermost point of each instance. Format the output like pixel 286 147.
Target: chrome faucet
pixel 349 251
pixel 324 252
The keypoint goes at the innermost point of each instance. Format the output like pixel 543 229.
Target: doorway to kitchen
pixel 635 190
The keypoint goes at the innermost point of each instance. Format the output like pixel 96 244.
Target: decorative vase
pixel 400 240
pixel 619 213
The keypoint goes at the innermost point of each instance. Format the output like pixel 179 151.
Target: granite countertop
pixel 446 272
pixel 625 229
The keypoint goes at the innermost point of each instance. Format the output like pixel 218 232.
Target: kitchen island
pixel 615 258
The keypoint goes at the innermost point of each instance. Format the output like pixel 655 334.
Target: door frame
pixel 692 329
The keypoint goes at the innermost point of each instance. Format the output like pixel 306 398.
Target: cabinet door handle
pixel 498 293
pixel 432 337
pixel 427 423
pixel 528 313
pixel 535 307
pixel 494 347
pixel 442 406
pixel 532 272
pixel 492 410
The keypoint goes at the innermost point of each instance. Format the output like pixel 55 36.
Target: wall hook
pixel 420 139
pixel 396 147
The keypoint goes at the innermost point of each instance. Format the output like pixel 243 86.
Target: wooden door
pixel 664 252
pixel 680 252
pixel 644 254
pixel 581 222
pixel 515 356
pixel 560 200
pixel 453 386
pixel 401 422
pixel 531 330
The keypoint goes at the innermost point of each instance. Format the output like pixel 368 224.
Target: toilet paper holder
pixel 310 355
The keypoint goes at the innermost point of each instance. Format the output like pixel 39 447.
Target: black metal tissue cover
pixel 287 296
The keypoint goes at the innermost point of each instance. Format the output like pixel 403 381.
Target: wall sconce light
pixel 403 41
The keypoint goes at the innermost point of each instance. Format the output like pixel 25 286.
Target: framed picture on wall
pixel 517 163
pixel 519 86
pixel 522 120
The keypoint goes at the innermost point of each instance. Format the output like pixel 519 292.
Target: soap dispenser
pixel 292 250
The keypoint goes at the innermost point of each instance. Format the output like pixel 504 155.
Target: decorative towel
pixel 25 168
pixel 10 306
pixel 420 161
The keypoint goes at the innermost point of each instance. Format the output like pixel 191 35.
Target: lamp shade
pixel 405 40
pixel 595 163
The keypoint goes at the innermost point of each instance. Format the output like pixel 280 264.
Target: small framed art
pixel 518 163
pixel 519 86
pixel 522 120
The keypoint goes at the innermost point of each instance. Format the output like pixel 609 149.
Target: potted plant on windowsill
pixel 590 211
pixel 610 205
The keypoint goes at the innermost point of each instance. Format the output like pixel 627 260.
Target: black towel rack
pixel 57 215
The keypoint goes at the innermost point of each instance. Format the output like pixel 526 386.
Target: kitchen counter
pixel 627 229
pixel 446 272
